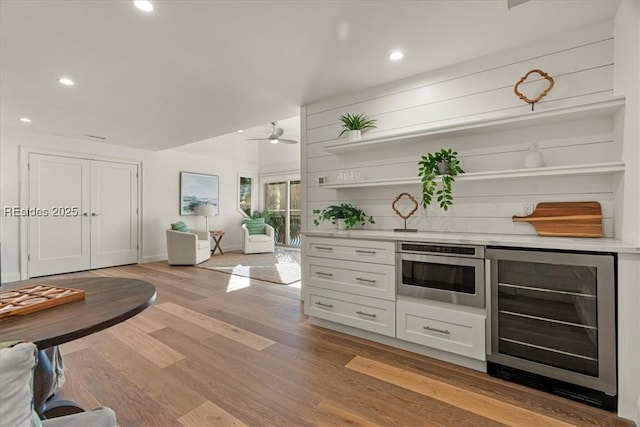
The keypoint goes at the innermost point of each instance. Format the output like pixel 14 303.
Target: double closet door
pixel 84 214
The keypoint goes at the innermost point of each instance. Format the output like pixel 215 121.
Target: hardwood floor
pixel 219 350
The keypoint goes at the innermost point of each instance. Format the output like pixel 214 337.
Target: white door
pixel 114 214
pixel 91 218
pixel 58 231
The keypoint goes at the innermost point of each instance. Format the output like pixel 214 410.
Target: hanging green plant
pixel 356 122
pixel 445 164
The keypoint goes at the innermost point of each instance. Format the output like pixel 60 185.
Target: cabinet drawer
pixel 371 280
pixel 351 249
pixel 448 330
pixel 370 314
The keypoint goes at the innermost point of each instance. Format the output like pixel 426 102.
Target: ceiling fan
pixel 274 138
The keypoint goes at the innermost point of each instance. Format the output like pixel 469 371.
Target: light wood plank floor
pixel 212 353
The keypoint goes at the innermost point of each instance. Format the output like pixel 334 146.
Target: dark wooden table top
pixel 108 301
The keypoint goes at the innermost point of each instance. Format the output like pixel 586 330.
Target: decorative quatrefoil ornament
pixel 402 215
pixel 544 75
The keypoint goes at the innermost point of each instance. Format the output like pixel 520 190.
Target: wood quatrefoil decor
pixel 402 215
pixel 541 94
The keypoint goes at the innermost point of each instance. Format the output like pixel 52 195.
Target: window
pixel 245 193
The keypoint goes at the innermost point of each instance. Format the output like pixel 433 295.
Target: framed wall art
pixel 198 189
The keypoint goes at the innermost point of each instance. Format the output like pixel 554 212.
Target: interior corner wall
pixel 160 190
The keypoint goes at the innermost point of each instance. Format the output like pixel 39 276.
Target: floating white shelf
pixel 590 169
pixel 536 118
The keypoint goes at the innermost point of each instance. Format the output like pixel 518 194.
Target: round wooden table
pixel 108 301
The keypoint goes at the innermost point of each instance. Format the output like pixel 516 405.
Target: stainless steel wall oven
pixel 553 322
pixel 442 272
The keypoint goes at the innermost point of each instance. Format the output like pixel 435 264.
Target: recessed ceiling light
pixel 240 131
pixel 66 81
pixel 25 119
pixel 143 5
pixel 396 55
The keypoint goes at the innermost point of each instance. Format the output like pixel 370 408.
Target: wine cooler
pixel 553 322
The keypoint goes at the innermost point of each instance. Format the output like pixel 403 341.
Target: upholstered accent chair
pixel 17 365
pixel 188 248
pixel 257 239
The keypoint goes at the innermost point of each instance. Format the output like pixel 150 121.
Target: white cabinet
pixel 371 314
pixel 372 280
pixel 351 282
pixel 350 249
pixel 451 330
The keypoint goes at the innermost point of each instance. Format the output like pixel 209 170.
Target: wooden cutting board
pixel 566 219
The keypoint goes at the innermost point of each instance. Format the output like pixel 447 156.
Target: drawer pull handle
pixel 362 313
pixel 322 273
pixel 362 251
pixel 442 331
pixel 365 280
pixel 324 248
pixel 321 304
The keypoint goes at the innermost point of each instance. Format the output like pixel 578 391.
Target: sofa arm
pixel 181 239
pixel 202 234
pixel 269 231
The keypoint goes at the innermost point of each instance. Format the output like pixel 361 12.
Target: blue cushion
pixel 256 226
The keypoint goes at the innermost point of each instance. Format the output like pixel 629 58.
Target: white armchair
pixel 258 243
pixel 192 247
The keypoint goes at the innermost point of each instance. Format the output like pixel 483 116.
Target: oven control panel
pixel 440 249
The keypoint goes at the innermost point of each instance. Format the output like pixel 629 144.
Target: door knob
pixel 95 214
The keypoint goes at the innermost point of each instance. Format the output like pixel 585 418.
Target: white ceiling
pixel 193 70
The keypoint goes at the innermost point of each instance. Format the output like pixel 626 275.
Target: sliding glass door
pixel 283 202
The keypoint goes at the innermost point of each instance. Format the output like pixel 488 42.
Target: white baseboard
pixel 154 258
pixel 10 277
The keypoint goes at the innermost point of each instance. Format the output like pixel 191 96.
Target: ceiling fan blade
pixel 256 139
pixel 287 141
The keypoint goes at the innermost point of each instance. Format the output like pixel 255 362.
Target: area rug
pixel 281 266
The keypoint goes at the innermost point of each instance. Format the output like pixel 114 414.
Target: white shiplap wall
pixel 581 63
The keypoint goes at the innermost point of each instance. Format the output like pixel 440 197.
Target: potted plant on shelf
pixel 344 215
pixel 445 164
pixel 355 124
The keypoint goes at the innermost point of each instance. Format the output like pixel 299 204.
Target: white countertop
pixel 599 244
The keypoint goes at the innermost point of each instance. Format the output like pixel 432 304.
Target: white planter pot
pixel 354 135
pixel 443 168
pixel 341 224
